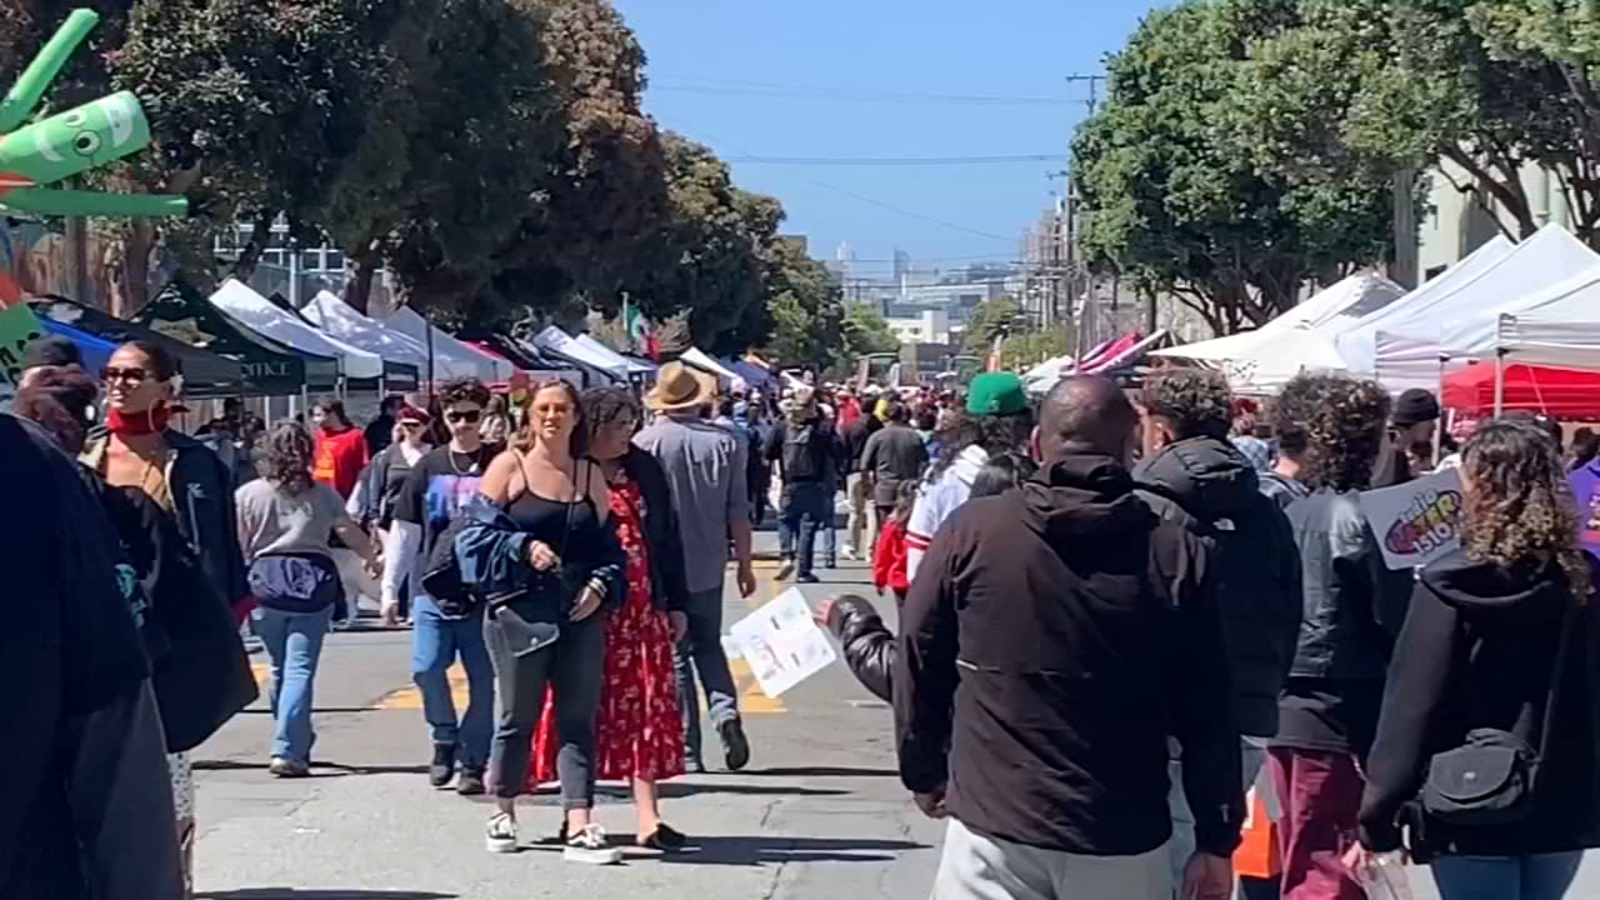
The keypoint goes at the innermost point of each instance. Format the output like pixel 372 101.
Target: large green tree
pixel 1178 195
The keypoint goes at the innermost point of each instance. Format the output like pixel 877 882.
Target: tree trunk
pixel 136 250
pixel 358 291
pixel 250 253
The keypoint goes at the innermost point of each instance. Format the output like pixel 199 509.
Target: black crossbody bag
pixel 524 636
pixel 1491 778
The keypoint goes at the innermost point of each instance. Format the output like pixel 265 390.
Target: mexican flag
pixel 640 334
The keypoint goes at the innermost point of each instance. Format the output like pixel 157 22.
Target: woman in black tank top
pixel 553 634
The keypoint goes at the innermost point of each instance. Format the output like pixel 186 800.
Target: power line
pixel 898 161
pixel 852 95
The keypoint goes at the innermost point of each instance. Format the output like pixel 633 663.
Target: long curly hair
pixel 284 457
pixel 1519 510
pixel 1343 419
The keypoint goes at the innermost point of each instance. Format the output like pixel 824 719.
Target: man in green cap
pixel 998 420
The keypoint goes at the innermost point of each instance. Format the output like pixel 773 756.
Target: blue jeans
pixel 294 644
pixel 1543 877
pixel 435 643
pixel 807 506
pixel 701 651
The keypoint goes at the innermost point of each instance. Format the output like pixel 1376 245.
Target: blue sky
pixel 776 78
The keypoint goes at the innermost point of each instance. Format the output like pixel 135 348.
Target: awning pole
pixel 1499 382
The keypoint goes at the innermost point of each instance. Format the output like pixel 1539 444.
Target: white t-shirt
pixel 937 500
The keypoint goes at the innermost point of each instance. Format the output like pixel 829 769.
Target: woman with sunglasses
pixel 136 450
pixel 556 496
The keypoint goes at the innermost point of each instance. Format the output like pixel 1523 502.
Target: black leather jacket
pixel 868 644
pixel 1354 606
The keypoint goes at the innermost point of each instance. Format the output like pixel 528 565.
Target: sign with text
pixel 782 643
pixel 1416 522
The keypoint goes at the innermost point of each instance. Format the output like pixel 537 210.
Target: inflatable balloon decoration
pixel 71 143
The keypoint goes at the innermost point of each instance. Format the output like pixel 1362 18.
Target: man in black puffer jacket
pixel 1192 474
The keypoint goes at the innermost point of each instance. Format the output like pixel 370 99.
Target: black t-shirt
pixel 894 456
pixel 441 484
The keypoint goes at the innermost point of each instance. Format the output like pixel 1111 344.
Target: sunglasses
pixel 132 375
pixel 469 416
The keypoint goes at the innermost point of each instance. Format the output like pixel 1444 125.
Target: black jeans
pixel 807 506
pixel 575 666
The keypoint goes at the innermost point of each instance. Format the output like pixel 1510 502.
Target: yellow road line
pixel 409 697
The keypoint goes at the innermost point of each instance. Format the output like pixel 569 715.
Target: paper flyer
pixel 1416 522
pixel 782 643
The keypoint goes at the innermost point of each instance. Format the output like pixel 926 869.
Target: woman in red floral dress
pixel 639 730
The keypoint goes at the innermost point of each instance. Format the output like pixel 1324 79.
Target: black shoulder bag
pixel 524 636
pixel 1491 778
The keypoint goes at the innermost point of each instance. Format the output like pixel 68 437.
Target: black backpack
pixel 799 452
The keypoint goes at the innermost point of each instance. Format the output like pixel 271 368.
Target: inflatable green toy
pixel 71 143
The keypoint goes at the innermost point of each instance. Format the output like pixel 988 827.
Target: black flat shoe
pixel 665 838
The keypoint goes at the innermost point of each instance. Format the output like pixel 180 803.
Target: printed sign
pixel 782 643
pixel 1416 522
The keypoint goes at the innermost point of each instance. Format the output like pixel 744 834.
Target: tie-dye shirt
pixel 440 485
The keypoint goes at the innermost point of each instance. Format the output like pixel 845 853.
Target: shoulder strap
pixel 1569 624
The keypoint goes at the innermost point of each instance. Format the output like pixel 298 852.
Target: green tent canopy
pixel 272 368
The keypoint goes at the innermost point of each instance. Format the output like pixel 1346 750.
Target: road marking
pixel 409 697
pixel 261 670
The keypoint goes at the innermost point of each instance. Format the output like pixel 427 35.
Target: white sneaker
pixel 848 552
pixel 589 846
pixel 502 834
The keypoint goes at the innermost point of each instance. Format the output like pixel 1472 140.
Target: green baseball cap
pixel 996 394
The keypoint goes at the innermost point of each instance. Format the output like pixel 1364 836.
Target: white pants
pixel 975 867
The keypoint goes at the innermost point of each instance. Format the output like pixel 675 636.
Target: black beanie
pixel 1415 407
pixel 51 350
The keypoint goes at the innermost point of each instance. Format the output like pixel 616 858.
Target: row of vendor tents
pixel 1511 326
pixel 238 343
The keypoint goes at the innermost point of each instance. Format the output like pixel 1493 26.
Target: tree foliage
pixel 1178 193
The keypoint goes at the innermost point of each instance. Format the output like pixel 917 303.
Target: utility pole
pixel 1073 229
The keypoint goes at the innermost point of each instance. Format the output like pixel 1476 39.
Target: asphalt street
pixel 818 814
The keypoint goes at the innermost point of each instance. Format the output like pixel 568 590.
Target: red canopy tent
pixel 1564 393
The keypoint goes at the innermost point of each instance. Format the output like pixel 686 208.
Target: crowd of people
pixel 1118 612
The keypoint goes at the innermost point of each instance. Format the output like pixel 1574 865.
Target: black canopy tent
pixel 206 375
pixel 274 369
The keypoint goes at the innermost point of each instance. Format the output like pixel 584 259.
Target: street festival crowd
pixel 1118 611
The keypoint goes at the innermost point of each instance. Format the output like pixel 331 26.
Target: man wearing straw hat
pixel 706 470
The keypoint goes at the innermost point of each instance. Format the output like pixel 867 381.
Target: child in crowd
pixel 889 556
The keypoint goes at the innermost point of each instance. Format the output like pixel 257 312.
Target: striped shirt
pixel 937 500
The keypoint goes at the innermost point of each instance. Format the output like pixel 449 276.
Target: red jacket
pixel 889 558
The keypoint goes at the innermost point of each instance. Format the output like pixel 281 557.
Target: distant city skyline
pixel 917 127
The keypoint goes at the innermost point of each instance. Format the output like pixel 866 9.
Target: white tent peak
pixel 262 315
pixel 462 360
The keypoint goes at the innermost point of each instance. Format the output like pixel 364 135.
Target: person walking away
pixel 286 521
pixel 1416 416
pixel 550 631
pixel 854 436
pixel 1193 474
pixel 135 449
pixel 758 474
pixel 1054 638
pixel 638 730
pixel 1497 652
pixel 385 478
pixel 1282 482
pixel 894 456
pixel 1352 610
pixel 705 468
pixel 867 644
pixel 89 810
pixel 803 446
pixel 379 433
pixel 443 482
pixel 997 421
pixel 889 556
pixel 341 447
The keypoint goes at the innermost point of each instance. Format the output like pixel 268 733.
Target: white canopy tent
pixel 260 314
pixel 705 363
pixel 338 318
pixel 1292 351
pixel 1561 328
pixel 1357 344
pixel 558 343
pixel 448 353
pixel 1412 352
pixel 1326 314
pixel 633 366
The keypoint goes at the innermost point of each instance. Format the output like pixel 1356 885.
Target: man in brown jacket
pixel 1053 640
